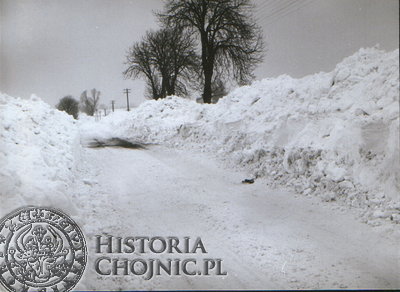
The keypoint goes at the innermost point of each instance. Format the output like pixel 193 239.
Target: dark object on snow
pixel 248 181
pixel 115 142
pixel 360 112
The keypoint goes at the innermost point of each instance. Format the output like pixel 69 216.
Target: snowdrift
pixel 335 135
pixel 39 148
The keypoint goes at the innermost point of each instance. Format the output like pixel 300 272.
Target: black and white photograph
pixel 151 145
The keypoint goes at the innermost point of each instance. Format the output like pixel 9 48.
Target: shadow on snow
pixel 114 142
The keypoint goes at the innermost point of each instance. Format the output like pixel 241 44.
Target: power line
pixel 284 7
pixel 268 6
pixel 293 9
pixel 272 4
pixel 279 9
pixel 275 8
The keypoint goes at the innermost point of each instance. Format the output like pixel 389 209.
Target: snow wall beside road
pixel 39 148
pixel 335 135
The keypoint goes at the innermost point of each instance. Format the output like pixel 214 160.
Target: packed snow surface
pixel 335 135
pixel 39 148
pixel 267 239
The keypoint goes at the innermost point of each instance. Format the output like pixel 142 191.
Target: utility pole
pixel 127 91
pixel 112 104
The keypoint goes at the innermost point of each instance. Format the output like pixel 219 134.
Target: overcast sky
pixel 58 47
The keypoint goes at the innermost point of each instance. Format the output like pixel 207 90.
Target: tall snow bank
pixel 39 146
pixel 334 134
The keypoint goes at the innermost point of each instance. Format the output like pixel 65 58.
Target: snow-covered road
pixel 268 239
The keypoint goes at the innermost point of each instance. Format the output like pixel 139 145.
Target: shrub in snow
pixel 69 105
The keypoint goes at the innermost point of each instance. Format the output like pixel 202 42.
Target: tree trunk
pixel 171 90
pixel 207 56
pixel 163 87
pixel 172 85
pixel 153 89
pixel 207 92
pixel 207 60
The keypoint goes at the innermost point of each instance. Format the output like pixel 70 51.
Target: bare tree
pixel 166 58
pixel 231 42
pixel 89 104
pixel 139 64
pixel 69 105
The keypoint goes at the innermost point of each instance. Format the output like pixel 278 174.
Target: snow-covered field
pixel 324 152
